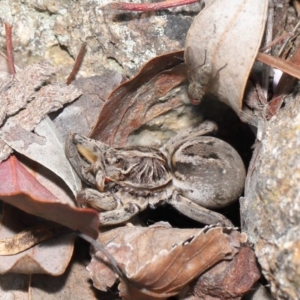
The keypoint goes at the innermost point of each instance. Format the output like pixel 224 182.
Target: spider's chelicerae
pixel 192 172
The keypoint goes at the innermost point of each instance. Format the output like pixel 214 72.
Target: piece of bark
pixel 24 85
pixel 28 97
pixel 270 211
pixel 228 279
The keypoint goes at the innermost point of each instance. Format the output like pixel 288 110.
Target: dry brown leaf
pixel 151 93
pixel 73 284
pixel 143 253
pixel 49 257
pixel 221 47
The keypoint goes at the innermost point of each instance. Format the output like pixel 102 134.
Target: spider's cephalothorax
pixel 137 167
pixel 191 172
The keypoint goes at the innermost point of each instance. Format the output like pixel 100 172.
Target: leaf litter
pixel 135 259
pixel 160 260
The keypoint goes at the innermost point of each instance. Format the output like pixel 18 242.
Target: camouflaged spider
pixel 192 172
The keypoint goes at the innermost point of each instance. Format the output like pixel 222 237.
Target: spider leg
pixel 197 212
pixel 99 201
pixel 185 135
pixel 115 208
pixel 121 215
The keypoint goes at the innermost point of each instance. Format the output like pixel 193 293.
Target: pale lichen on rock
pixel 44 29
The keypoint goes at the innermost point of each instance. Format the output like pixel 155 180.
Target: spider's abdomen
pixel 208 171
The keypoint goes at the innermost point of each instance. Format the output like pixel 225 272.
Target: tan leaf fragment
pixel 161 261
pixel 28 238
pixel 46 143
pixel 155 90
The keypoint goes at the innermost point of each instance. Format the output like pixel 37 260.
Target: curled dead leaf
pixel 182 254
pixel 151 93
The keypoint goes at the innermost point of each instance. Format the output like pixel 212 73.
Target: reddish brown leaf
pixel 137 101
pixel 19 188
pixel 229 279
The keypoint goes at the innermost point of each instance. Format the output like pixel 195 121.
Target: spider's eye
pixel 119 160
pixel 106 161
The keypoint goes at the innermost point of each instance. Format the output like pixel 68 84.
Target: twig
pixel 100 247
pixel 280 39
pixel 268 39
pixel 284 86
pixel 150 6
pixel 285 43
pixel 280 64
pixel 77 63
pixel 9 48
